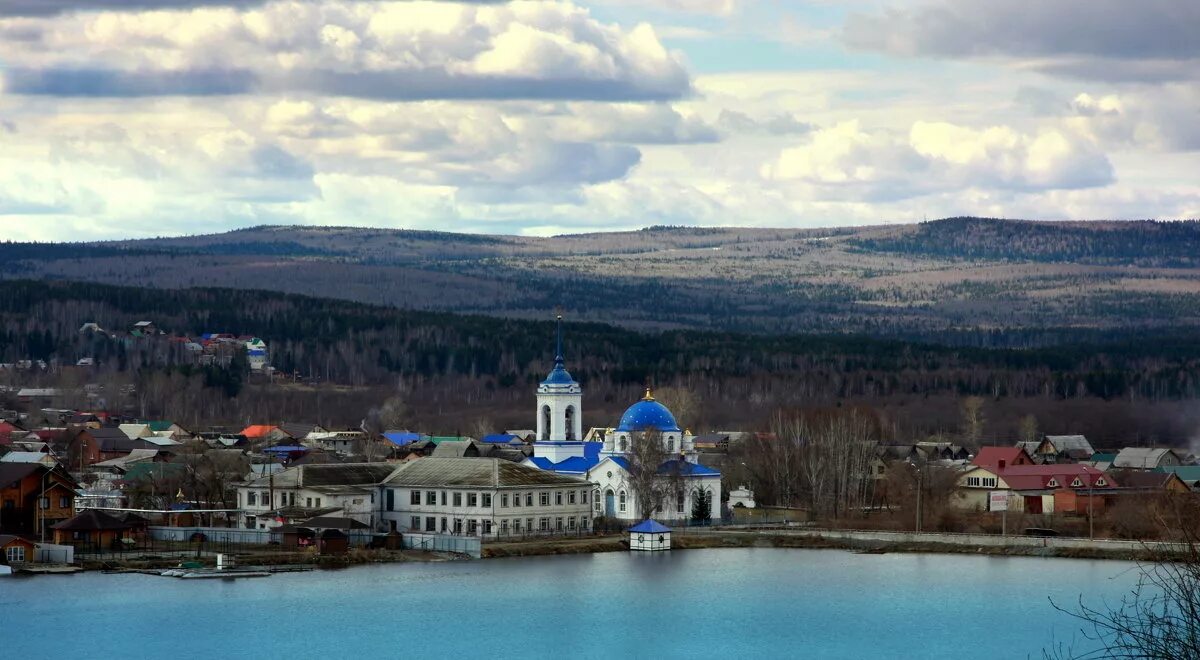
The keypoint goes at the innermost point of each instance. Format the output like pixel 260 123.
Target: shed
pixel 649 535
pixel 16 549
pixel 334 542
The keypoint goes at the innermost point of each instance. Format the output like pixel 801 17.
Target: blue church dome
pixel 648 414
pixel 559 375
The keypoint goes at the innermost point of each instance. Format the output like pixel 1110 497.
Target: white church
pixel 560 448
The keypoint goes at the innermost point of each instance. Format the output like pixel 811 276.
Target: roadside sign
pixel 998 500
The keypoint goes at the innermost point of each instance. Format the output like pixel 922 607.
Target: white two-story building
pixel 298 493
pixel 483 497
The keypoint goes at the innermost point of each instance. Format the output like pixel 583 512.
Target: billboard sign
pixel 998 500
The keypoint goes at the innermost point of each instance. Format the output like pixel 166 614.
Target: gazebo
pixel 649 535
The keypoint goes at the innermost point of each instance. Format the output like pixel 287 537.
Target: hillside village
pixel 87 482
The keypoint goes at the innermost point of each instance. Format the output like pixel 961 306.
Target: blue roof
pixel 686 468
pixel 647 414
pixel 499 438
pixel 286 449
pixel 401 439
pixel 649 527
pixel 576 464
pixel 559 375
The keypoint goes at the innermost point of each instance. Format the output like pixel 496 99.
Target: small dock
pixel 47 569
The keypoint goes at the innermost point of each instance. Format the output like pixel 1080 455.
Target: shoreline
pixel 695 540
pixel 815 540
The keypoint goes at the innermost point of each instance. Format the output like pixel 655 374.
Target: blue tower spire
pixel 559 375
pixel 558 354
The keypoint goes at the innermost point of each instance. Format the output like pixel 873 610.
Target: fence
pixel 213 534
pixel 466 545
pixel 949 538
pixel 48 553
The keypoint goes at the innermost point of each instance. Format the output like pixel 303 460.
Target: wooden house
pixel 17 549
pixel 34 496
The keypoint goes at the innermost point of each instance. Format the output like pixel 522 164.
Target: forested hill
pixel 968 280
pixel 1141 243
pixel 361 344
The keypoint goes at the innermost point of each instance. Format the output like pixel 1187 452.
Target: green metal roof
pixel 1188 473
pixel 439 439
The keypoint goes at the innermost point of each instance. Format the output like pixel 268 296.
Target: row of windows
pixel 981 482
pixel 474 527
pixel 484 500
pixel 282 499
pixel 623 445
pixel 621 500
pixel 63 502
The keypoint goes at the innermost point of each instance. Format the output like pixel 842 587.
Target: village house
pixel 91 446
pixel 1147 482
pixel 259 433
pixel 1145 458
pixel 302 492
pixel 94 530
pixel 300 430
pixel 342 442
pixel 1049 488
pixel 1002 457
pixel 34 496
pixel 483 497
pixel 17 549
pixel 1188 474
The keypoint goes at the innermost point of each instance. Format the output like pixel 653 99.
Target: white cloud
pixel 1165 118
pixel 847 160
pixel 388 50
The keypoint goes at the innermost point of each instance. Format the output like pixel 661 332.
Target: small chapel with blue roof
pixel 560 447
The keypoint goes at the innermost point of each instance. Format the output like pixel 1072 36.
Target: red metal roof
pixel 991 456
pixel 1038 477
pixel 257 430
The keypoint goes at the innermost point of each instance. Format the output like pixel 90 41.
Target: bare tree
pixel 646 455
pixel 1028 429
pixel 1160 617
pixel 393 414
pixel 829 457
pixel 972 421
pixel 373 449
pixel 682 402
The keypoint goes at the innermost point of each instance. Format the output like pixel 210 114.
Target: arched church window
pixel 569 418
pixel 621 501
pixel 679 502
pixel 622 444
pixel 670 446
pixel 545 422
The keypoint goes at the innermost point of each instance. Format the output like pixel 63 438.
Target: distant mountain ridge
pixel 1142 242
pixel 929 280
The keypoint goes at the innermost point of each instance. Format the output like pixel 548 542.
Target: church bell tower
pixel 559 411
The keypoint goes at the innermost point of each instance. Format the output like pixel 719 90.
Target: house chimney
pixel 1001 464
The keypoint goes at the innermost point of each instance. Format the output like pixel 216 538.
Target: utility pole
pixel 920 475
pixel 1091 520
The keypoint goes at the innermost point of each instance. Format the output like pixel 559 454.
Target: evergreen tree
pixel 702 508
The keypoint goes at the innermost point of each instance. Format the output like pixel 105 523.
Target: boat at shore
pixel 229 574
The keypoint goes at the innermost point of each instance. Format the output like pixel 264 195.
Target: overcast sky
pixel 132 118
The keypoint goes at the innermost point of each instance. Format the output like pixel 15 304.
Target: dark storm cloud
pixel 108 83
pixel 55 7
pixel 1072 37
pixel 397 85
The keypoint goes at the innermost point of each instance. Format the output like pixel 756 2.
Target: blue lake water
pixel 737 603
